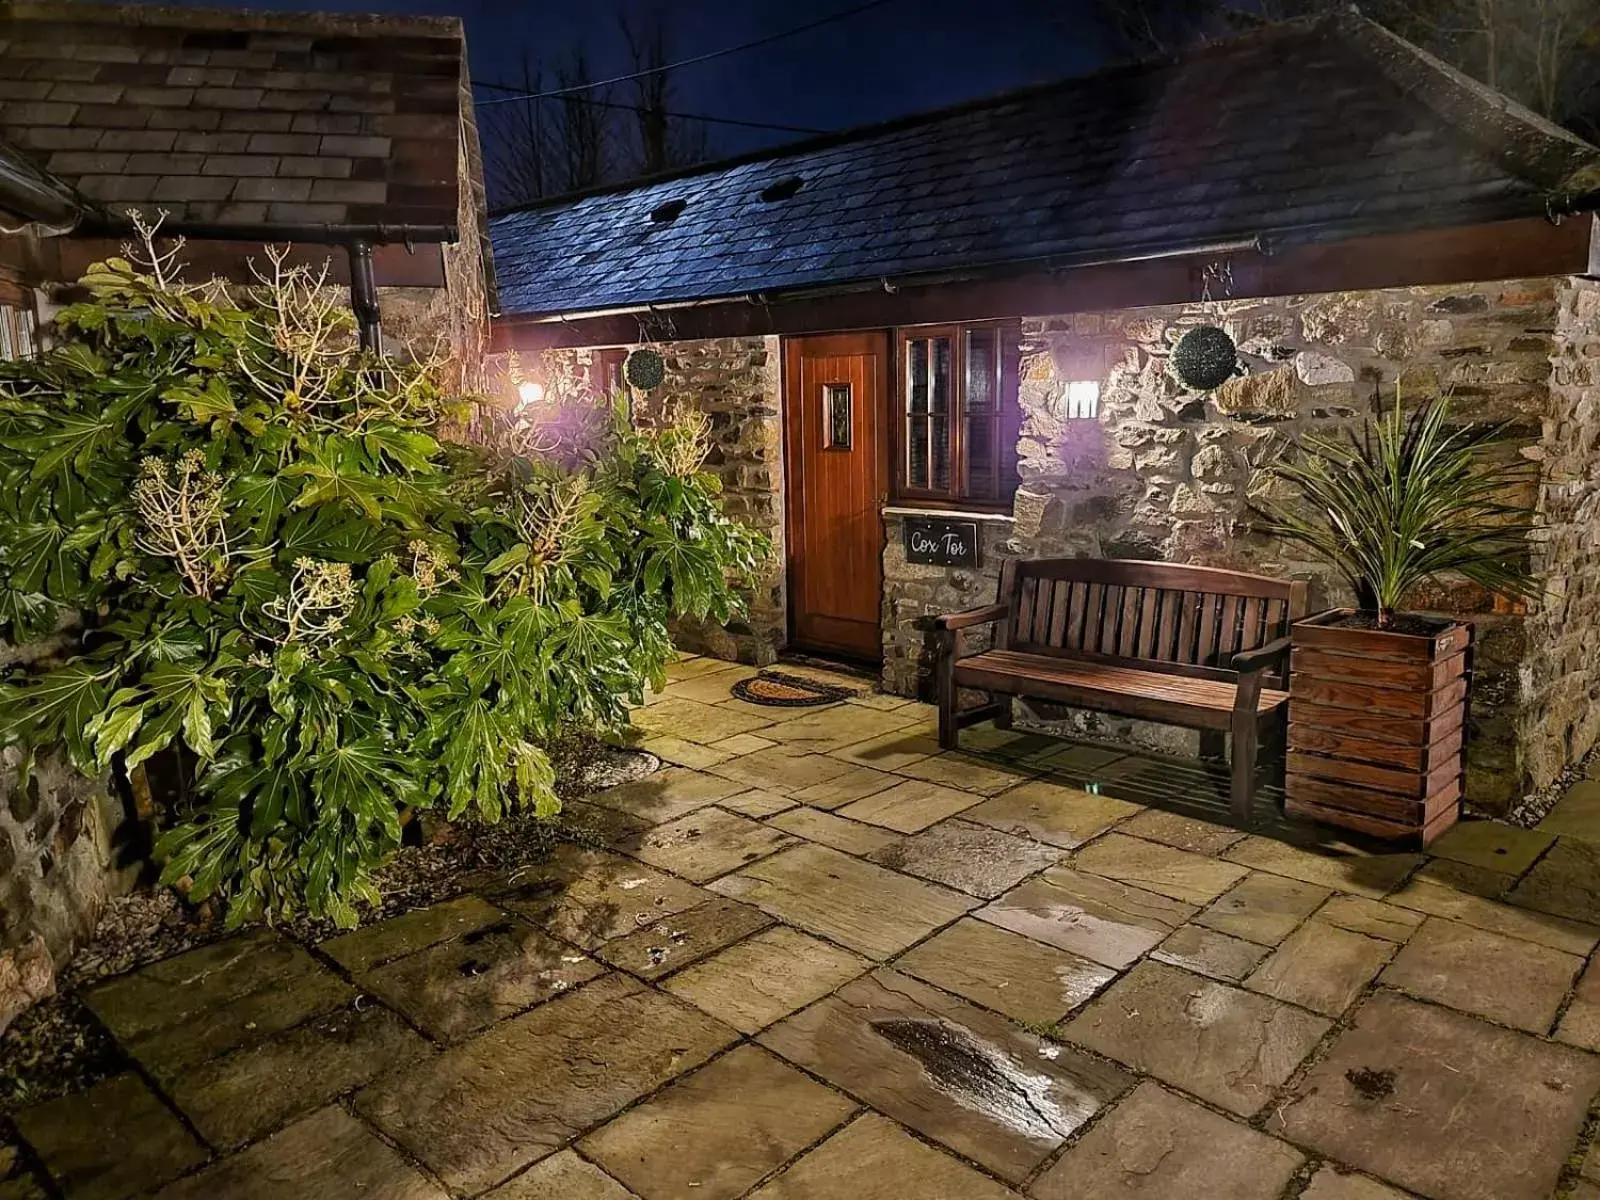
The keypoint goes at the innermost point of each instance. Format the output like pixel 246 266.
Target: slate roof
pixel 1305 129
pixel 238 117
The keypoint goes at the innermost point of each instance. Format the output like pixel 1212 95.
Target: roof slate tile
pixel 1310 128
pixel 238 116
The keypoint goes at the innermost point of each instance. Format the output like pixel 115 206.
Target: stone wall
pixel 914 593
pixel 1167 473
pixel 737 383
pixel 58 861
pixel 1559 679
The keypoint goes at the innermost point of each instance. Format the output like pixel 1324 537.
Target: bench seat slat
pixel 1202 703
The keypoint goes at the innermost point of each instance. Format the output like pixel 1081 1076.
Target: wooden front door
pixel 837 473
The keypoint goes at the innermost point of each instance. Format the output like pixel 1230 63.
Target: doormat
pixel 778 689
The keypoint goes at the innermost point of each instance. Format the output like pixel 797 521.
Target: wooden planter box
pixel 1377 722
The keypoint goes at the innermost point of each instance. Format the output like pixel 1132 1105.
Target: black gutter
pixel 36 197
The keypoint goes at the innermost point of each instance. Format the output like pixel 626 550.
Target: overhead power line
pixel 699 58
pixel 520 94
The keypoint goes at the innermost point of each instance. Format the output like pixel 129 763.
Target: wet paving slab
pixel 971 858
pixel 765 978
pixel 1026 980
pixel 192 1008
pixel 982 989
pixel 1099 919
pixel 1223 1044
pixel 860 906
pixel 966 1078
pixel 705 844
pixel 1052 813
pixel 1158 1144
pixel 872 1158
pixel 457 987
pixel 588 897
pixel 329 1153
pixel 716 1133
pixel 1443 1104
pixel 678 941
pixel 477 1113
pixel 115 1140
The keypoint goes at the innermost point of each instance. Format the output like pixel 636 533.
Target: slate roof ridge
pixel 1517 139
pixel 236 19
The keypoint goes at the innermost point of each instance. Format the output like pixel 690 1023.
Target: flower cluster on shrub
pixel 280 566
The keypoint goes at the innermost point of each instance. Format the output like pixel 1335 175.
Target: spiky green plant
pixel 1406 500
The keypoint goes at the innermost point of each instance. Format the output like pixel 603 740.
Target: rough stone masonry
pixel 1168 473
pixel 1164 472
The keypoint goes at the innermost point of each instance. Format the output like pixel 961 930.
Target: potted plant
pixel 1378 696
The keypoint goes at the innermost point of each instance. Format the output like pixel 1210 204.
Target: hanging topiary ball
pixel 644 369
pixel 1205 358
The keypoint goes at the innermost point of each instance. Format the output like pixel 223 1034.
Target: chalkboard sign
pixel 941 543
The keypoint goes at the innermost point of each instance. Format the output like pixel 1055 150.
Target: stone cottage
pixel 967 316
pixel 351 137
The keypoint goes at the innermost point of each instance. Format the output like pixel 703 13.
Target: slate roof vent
pixel 668 210
pixel 781 190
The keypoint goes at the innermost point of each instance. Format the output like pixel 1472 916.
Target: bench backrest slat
pixel 1161 616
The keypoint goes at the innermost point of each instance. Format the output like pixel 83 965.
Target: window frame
pixel 20 321
pixel 1007 418
pixel 605 361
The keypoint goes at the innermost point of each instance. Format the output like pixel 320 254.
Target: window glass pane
pixel 8 348
pixel 917 452
pixel 981 443
pixel 836 415
pixel 28 334
pixel 939 388
pixel 917 375
pixel 939 437
pixel 981 371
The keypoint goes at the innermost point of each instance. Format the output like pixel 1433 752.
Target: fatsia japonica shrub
pixel 279 565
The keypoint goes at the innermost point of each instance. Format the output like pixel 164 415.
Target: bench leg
pixel 1002 719
pixel 1246 739
pixel 949 730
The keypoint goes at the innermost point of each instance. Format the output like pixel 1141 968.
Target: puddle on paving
pixel 985 1079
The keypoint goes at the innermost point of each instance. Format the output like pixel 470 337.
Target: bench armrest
pixel 1251 661
pixel 972 616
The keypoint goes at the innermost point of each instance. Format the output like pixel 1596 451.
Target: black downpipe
pixel 364 295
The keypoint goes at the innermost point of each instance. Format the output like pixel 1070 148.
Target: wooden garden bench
pixel 1191 646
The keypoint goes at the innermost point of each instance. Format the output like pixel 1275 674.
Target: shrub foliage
pixel 280 566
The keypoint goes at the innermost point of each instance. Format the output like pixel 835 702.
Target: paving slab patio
pixel 477 1113
pixel 861 906
pixel 1226 1045
pixel 1444 1104
pixel 714 1134
pixel 562 1176
pixel 836 963
pixel 974 859
pixel 116 1139
pixel 1026 980
pixel 1321 967
pixel 1158 1145
pixel 966 1078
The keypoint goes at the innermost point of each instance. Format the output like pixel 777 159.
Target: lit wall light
pixel 530 392
pixel 1083 398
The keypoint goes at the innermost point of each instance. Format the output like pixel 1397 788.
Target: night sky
pixel 902 57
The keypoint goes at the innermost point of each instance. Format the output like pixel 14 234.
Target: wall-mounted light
pixel 1083 399
pixel 530 392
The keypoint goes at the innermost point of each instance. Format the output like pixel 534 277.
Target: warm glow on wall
pixel 530 392
pixel 1083 398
